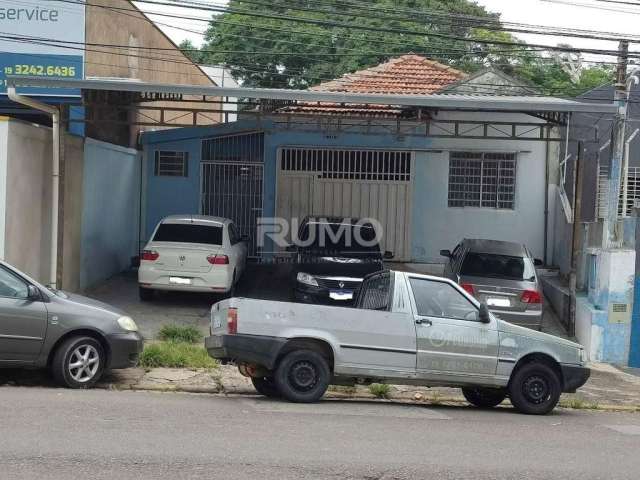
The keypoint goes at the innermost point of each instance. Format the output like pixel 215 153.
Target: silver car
pixel 500 274
pixel 76 337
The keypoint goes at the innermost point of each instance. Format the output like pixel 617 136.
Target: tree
pixel 191 51
pixel 266 51
pixel 300 54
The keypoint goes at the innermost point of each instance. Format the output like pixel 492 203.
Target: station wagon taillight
pixel 468 287
pixel 232 320
pixel 531 296
pixel 150 255
pixel 218 259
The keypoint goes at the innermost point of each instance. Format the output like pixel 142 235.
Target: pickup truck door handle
pixel 424 321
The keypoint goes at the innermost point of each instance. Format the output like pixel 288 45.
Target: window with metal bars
pixel 486 180
pixel 375 293
pixel 171 164
pixel 374 165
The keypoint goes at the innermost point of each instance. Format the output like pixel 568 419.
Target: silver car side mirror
pixel 33 293
pixel 483 315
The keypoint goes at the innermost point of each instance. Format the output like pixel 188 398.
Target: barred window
pixel 171 164
pixel 375 292
pixel 485 180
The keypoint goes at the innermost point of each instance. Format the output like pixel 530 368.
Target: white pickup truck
pixel 405 329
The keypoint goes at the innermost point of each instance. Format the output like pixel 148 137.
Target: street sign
pixel 42 39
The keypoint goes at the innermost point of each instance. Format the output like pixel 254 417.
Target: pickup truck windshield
pixel 331 237
pixel 497 266
pixel 375 293
pixel 189 233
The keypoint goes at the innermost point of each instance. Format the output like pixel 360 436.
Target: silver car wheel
pixel 84 363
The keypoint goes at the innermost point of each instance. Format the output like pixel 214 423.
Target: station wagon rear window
pixel 188 233
pixel 497 266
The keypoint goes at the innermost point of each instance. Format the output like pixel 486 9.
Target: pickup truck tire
pixel 302 376
pixel 78 362
pixel 535 388
pixel 266 386
pixel 484 397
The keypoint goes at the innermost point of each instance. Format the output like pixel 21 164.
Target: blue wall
pixel 110 212
pixel 435 226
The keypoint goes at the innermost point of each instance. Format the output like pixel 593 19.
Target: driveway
pixel 269 282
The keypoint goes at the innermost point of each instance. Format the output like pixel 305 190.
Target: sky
pixel 580 14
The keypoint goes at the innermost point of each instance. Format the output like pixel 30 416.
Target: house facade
pixel 431 178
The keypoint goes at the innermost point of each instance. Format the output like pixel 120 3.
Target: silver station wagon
pixel 500 274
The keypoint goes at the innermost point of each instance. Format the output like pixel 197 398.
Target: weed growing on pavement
pixel 176 355
pixel 435 398
pixel 380 390
pixel 579 404
pixel 176 333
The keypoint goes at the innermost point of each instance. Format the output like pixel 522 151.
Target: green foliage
pixel 380 390
pixel 176 355
pixel 191 51
pixel 240 33
pixel 176 333
pixel 300 55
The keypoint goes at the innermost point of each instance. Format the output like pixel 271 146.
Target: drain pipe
pixel 55 174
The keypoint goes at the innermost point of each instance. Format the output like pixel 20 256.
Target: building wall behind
pixel 28 202
pixel 110 211
pixel 4 139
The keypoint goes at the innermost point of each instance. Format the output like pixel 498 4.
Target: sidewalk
pixel 608 388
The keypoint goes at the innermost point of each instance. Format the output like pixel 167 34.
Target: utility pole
pixel 617 147
pixel 576 237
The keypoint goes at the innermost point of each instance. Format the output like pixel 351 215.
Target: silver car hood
pixel 511 329
pixel 86 302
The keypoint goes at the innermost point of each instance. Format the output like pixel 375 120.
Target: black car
pixel 332 256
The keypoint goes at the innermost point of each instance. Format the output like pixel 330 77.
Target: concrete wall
pixel 110 211
pixel 28 202
pixel 435 226
pixel 4 140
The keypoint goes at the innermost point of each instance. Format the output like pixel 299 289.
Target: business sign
pixel 44 39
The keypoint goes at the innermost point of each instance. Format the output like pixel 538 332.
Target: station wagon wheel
pixel 302 376
pixel 535 388
pixel 484 397
pixel 78 362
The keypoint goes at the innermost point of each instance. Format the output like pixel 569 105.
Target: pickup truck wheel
pixel 484 397
pixel 266 386
pixel 78 363
pixel 535 389
pixel 303 376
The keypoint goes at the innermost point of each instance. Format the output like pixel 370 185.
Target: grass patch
pixel 380 390
pixel 436 398
pixel 175 333
pixel 176 355
pixel 579 404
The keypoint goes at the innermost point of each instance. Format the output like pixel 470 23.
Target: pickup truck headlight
pixel 307 279
pixel 127 323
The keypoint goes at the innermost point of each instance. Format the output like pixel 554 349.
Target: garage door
pixel 350 183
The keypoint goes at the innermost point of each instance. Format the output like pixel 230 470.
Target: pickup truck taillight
pixel 218 259
pixel 232 320
pixel 150 255
pixel 531 296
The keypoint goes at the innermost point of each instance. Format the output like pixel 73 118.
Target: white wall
pixel 436 226
pixel 4 141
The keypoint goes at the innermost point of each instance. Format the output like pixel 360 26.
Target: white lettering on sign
pixel 36 14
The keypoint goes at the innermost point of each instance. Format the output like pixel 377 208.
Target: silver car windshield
pixel 497 266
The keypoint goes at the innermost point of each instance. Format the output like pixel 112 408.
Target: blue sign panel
pixel 41 65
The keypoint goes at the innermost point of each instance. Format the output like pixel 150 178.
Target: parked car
pixel 192 253
pixel 500 274
pixel 406 329
pixel 332 257
pixel 76 337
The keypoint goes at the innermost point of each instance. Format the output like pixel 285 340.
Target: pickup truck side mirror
pixel 483 314
pixel 33 293
pixel 538 263
pixel 388 255
pixel 445 253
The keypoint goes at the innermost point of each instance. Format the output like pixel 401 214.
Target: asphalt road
pixel 63 434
